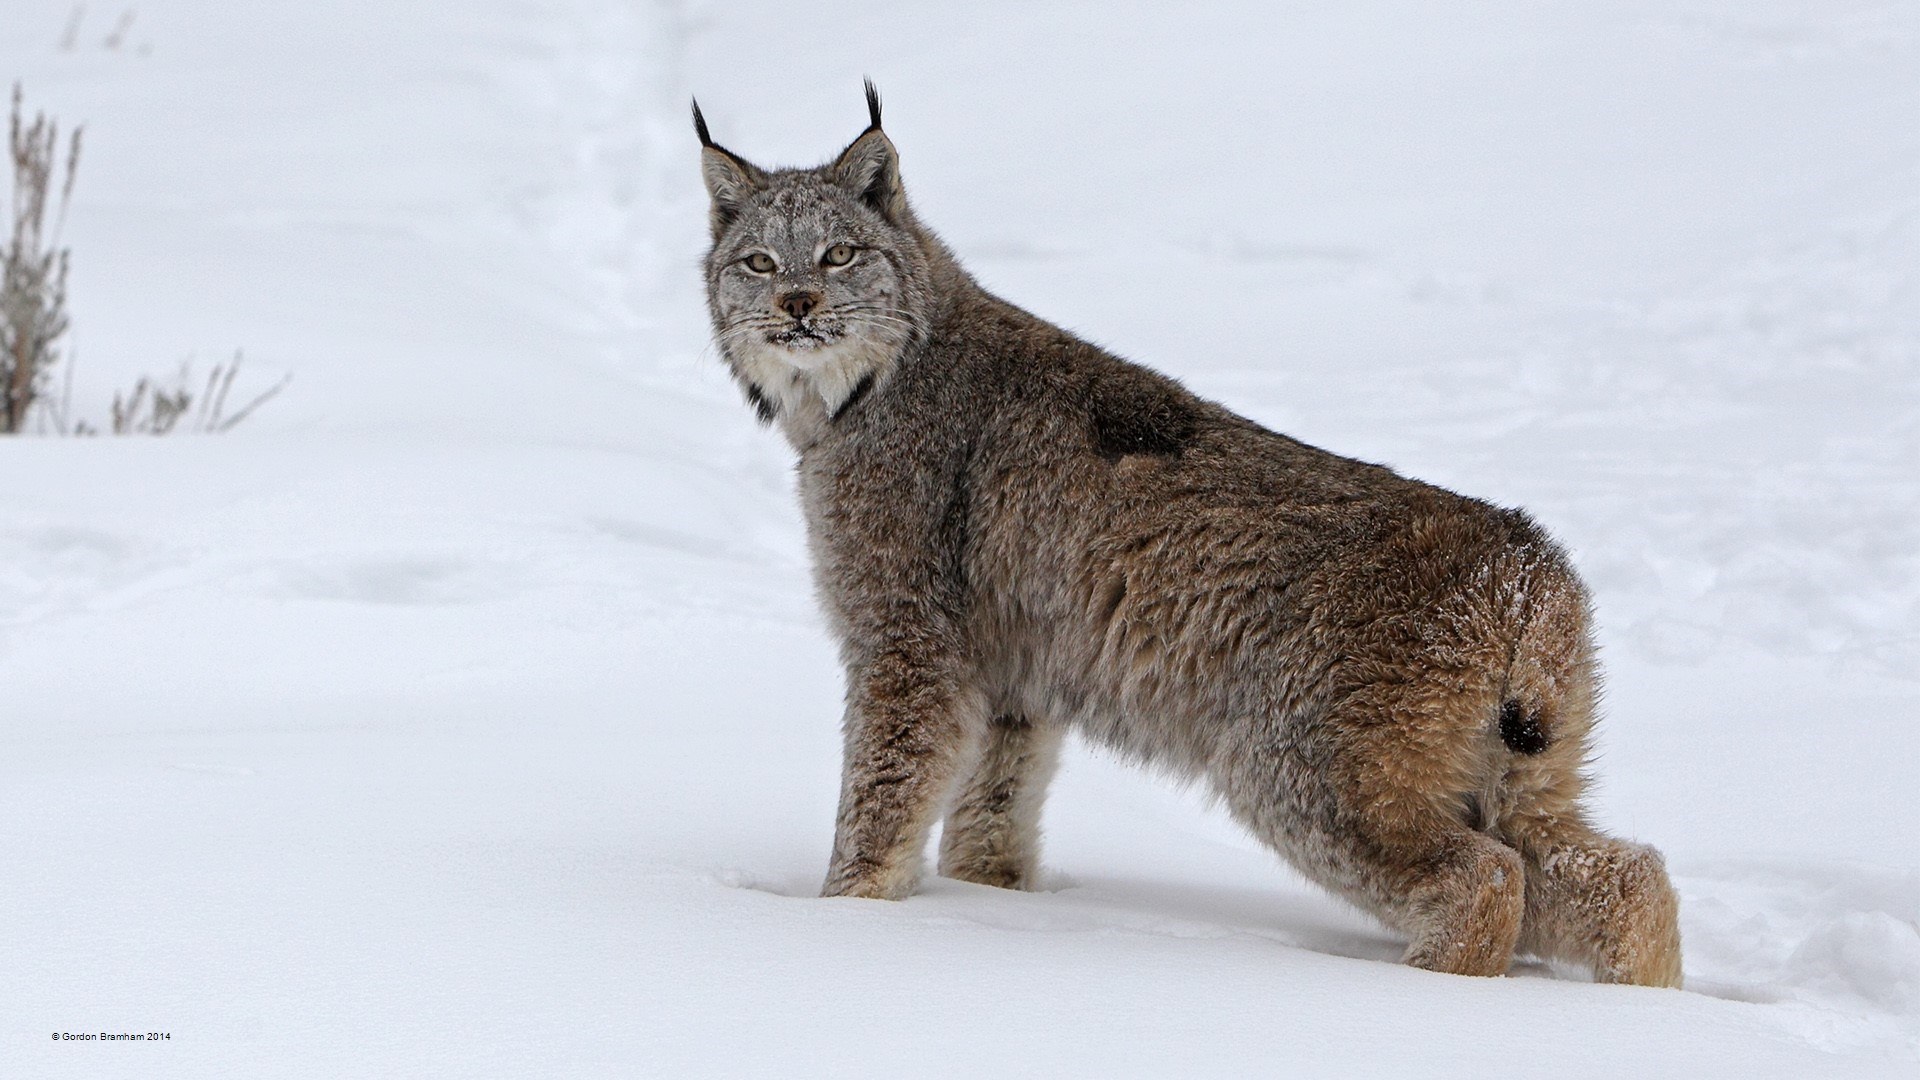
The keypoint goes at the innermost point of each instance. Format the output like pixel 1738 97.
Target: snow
pixel 466 711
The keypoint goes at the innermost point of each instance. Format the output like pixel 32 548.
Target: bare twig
pixel 119 34
pixel 71 38
pixel 250 407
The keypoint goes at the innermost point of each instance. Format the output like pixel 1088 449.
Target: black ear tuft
pixel 870 167
pixel 700 125
pixel 730 178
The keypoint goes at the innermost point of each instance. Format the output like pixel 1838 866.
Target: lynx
pixel 1016 534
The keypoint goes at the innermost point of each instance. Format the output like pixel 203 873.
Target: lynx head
pixel 818 278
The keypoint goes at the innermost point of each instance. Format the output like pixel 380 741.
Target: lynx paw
pixel 1000 875
pixel 867 883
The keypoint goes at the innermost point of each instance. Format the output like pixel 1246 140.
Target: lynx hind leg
pixel 1592 900
pixel 1459 895
pixel 992 833
pixel 1369 812
pixel 1600 902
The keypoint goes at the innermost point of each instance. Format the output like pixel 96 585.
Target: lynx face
pixel 805 276
pixel 813 282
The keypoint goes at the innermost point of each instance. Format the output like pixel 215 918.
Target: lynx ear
pixel 731 179
pixel 870 168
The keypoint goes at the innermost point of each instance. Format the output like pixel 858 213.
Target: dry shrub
pixel 33 311
pixel 151 408
pixel 33 289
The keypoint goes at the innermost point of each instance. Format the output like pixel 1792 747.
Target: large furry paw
pixel 999 874
pixel 864 882
pixel 1472 913
pixel 1645 944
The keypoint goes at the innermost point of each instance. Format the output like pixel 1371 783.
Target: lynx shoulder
pixel 1016 534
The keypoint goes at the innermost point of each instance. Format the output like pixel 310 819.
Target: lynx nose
pixel 797 304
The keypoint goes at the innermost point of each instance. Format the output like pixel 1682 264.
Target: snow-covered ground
pixel 465 712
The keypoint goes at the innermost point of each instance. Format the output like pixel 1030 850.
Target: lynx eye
pixel 837 255
pixel 760 262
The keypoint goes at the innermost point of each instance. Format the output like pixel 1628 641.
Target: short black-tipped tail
pixel 1521 730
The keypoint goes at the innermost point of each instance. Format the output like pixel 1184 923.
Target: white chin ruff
pixel 809 360
pixel 797 379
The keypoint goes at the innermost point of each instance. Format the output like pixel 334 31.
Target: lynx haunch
pixel 1016 534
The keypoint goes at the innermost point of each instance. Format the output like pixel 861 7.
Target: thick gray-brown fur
pixel 1015 533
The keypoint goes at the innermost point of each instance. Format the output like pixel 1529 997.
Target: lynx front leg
pixel 910 730
pixel 992 834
